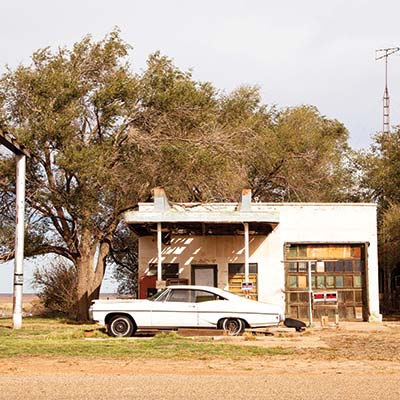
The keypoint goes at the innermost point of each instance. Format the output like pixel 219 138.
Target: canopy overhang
pixel 200 218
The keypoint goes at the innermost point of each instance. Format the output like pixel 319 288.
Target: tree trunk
pixel 91 268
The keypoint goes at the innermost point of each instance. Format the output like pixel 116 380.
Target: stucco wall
pixel 314 223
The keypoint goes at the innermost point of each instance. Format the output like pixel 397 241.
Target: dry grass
pixel 57 337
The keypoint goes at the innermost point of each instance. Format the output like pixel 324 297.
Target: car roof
pixel 199 287
pixel 212 289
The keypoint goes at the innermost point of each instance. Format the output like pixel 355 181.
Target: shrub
pixel 56 287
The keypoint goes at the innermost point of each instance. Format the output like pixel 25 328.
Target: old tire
pixel 121 326
pixel 233 326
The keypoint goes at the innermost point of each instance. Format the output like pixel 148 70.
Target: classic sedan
pixel 185 307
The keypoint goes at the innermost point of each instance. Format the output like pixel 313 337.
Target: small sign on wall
pixel 247 285
pixel 319 297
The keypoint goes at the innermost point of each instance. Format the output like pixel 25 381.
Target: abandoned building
pixel 311 258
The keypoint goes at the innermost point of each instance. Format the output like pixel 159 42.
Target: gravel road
pixel 354 362
pixel 263 386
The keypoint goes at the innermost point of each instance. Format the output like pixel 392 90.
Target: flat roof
pixel 214 216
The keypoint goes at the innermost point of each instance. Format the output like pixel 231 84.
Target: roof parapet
pixel 245 203
pixel 161 202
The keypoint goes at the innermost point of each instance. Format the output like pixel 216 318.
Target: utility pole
pixel 387 268
pixel 20 154
pixel 384 54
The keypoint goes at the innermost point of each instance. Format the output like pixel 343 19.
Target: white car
pixel 185 307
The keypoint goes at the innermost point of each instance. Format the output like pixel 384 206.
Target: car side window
pixel 202 295
pixel 179 295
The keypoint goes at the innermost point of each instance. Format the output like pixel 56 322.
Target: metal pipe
pixel 159 250
pixel 19 241
pixel 310 294
pixel 246 251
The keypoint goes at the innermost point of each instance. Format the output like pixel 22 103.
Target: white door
pixel 204 275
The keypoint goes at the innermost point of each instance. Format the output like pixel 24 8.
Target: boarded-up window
pixel 236 276
pixel 338 267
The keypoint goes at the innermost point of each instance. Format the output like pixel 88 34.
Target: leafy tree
pixel 380 182
pixel 101 137
pixel 72 109
pixel 300 156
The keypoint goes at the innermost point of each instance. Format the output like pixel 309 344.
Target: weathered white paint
pixel 246 252
pixel 159 252
pixel 19 241
pixel 295 223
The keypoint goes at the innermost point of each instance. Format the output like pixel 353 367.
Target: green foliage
pixel 301 156
pixel 102 136
pixel 380 182
pixel 390 234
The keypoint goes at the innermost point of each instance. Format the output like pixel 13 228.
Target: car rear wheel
pixel 121 326
pixel 233 326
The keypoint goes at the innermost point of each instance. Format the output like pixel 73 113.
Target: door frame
pixel 214 267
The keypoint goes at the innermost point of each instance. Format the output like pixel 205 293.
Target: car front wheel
pixel 121 326
pixel 233 326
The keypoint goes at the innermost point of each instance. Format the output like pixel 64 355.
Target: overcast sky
pixel 299 52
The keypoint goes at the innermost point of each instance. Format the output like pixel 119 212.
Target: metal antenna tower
pixel 379 54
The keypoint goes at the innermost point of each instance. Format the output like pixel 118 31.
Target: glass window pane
pixel 252 268
pixel 339 266
pixel 168 270
pixel 330 266
pixel 293 267
pixel 339 281
pixel 239 268
pixel 313 266
pixel 320 281
pixel 313 281
pixel 201 295
pixel 180 295
pixel 357 281
pixel 291 251
pixel 302 267
pixel 330 281
pixel 348 266
pixel 292 281
pixel 236 269
pixel 357 265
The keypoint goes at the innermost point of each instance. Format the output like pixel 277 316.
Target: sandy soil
pixel 355 361
pixel 353 348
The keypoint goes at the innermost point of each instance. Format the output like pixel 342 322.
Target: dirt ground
pixel 351 347
pixel 352 361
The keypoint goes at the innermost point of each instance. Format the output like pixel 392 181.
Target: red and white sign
pixel 329 297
